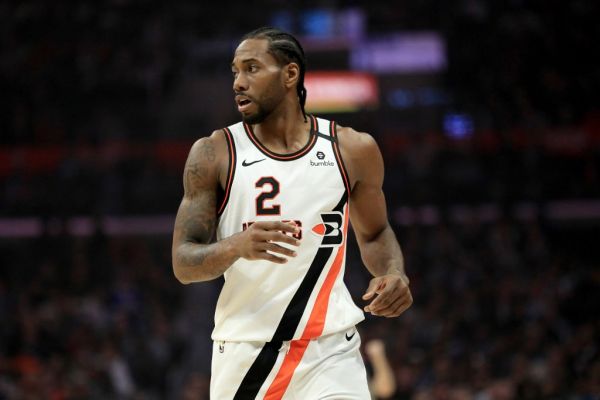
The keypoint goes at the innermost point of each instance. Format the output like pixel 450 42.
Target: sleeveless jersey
pixel 306 297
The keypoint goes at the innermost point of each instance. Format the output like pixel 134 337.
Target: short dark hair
pixel 285 48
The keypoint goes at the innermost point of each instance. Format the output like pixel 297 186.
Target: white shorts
pixel 329 367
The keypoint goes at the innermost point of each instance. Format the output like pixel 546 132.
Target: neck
pixel 284 130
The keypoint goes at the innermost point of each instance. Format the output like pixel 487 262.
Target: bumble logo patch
pixel 321 161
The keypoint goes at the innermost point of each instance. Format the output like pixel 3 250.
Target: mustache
pixel 243 94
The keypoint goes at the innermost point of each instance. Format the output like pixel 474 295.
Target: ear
pixel 291 74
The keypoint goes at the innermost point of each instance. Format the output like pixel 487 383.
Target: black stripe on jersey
pixel 264 362
pixel 340 205
pixel 312 139
pixel 328 137
pixel 335 144
pixel 230 170
pixel 258 372
pixel 294 311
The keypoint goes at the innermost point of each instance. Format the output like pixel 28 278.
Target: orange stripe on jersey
pixel 316 321
pixel 314 326
pixel 284 375
pixel 231 147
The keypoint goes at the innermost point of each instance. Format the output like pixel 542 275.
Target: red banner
pixel 340 91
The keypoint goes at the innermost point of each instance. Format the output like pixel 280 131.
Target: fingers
pixel 271 252
pixel 376 285
pixel 261 241
pixel 276 226
pixel 275 248
pixel 391 303
pixel 263 255
pixel 395 308
pixel 384 299
pixel 274 236
pixel 273 231
pixel 402 307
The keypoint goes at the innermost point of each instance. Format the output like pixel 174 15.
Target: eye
pixel 252 68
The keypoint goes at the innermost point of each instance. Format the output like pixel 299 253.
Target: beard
pixel 259 116
pixel 265 104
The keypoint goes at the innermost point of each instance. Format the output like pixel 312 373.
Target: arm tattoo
pixel 196 255
pixel 195 177
pixel 190 259
pixel 196 222
pixel 195 174
pixel 208 150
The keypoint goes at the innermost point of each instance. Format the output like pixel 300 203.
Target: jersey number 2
pixel 261 209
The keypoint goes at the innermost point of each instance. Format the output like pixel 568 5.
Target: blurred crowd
pixel 502 310
pixel 100 101
pixel 88 87
pixel 89 70
pixel 118 178
pixel 93 318
pixel 526 63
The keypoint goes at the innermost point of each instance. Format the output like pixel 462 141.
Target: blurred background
pixel 487 113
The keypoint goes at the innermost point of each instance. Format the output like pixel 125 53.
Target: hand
pixel 375 348
pixel 393 295
pixel 258 241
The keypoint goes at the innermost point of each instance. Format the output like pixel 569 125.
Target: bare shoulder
pixel 207 159
pixel 360 153
pixel 355 143
pixel 209 148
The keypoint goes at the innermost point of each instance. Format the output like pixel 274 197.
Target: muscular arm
pixel 378 245
pixel 379 248
pixel 196 256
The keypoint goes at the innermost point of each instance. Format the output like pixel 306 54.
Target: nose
pixel 240 84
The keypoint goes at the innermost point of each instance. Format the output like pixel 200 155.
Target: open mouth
pixel 242 102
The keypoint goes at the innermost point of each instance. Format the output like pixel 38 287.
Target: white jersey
pixel 306 297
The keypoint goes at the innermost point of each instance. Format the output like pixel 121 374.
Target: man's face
pixel 257 80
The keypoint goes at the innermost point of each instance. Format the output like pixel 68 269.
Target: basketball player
pixel 278 191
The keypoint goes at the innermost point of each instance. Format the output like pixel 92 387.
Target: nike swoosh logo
pixel 349 338
pixel 246 164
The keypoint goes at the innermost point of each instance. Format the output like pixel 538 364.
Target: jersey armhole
pixel 335 143
pixel 230 170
